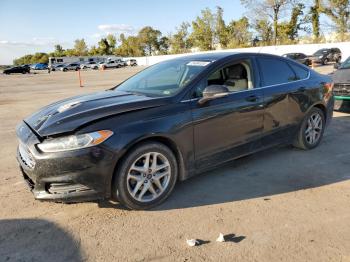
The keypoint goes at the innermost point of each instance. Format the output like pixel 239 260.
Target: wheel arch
pixel 323 109
pixel 159 139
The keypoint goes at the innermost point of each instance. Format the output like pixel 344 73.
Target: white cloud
pixel 117 29
pixel 35 41
pixel 10 50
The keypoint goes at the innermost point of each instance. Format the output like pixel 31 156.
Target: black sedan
pixel 169 122
pixel 299 57
pixel 17 69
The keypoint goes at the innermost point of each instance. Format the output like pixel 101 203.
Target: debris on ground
pixel 220 238
pixel 192 242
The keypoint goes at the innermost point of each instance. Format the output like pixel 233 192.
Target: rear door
pixel 230 126
pixel 285 98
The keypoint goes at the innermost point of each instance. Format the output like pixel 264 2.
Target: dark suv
pixel 169 122
pixel 326 55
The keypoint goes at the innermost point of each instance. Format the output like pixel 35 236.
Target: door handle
pixel 252 98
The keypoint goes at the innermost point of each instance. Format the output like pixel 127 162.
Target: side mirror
pixel 212 92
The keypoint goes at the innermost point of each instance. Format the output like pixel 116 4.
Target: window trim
pixel 288 64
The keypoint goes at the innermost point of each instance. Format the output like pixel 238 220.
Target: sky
pixel 29 26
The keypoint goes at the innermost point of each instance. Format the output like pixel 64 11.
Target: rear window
pixel 275 71
pixel 301 73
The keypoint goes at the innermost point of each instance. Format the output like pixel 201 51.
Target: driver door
pixel 228 127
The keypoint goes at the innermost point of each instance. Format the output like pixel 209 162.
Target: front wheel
pixel 146 176
pixel 311 130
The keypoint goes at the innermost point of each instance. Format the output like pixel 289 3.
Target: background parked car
pixel 341 89
pixel 57 67
pixel 39 66
pixel 71 66
pixel 300 57
pixel 326 55
pixel 113 64
pixel 96 66
pixel 17 69
pixel 131 62
pixel 91 64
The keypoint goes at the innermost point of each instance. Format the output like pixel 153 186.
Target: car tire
pixel 64 70
pixel 311 130
pixel 325 61
pixel 143 186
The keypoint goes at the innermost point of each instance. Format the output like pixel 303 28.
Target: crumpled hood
pixel 341 76
pixel 69 114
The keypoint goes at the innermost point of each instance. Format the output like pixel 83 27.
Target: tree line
pixel 268 22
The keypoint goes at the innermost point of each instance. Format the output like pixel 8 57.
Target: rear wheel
pixel 146 176
pixel 311 130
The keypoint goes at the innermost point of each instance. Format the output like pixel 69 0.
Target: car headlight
pixel 320 56
pixel 74 141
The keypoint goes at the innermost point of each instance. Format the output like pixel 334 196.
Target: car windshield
pixel 346 64
pixel 321 52
pixel 164 79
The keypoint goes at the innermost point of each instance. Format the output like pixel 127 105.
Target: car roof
pixel 216 56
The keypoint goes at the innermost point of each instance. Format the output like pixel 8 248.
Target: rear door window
pixel 275 71
pixel 301 73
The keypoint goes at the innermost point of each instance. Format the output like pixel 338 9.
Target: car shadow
pixel 270 172
pixel 36 240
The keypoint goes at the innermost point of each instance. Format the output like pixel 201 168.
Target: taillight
pixel 328 89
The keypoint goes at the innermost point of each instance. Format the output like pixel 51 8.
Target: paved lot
pixel 279 205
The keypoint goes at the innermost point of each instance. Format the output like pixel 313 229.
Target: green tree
pixel 80 47
pixel 180 41
pixel 112 41
pixel 103 47
pixel 129 47
pixel 203 33
pixel 315 11
pixel 149 40
pixel 221 31
pixel 339 12
pixel 23 60
pixel 289 31
pixel 271 9
pixel 59 51
pixel 238 33
pixel 264 31
pixel 93 51
pixel 164 44
pixel 69 52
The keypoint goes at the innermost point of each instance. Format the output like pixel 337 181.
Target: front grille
pixel 341 89
pixel 66 188
pixel 26 157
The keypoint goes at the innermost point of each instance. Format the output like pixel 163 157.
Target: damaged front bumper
pixel 72 176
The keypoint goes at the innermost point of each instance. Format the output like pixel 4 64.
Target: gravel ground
pixel 278 205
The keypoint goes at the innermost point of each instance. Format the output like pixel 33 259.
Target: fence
pixel 307 49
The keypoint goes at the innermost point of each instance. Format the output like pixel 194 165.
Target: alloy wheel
pixel 313 130
pixel 148 177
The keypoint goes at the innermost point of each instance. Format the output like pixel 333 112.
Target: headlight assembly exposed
pixel 74 141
